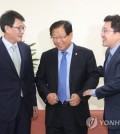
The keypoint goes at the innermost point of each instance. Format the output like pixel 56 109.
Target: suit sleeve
pixel 92 75
pixel 101 71
pixel 31 80
pixel 112 87
pixel 41 79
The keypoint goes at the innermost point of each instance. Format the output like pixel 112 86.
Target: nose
pixel 58 40
pixel 22 31
pixel 102 33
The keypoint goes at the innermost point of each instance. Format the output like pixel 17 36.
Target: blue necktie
pixel 108 60
pixel 62 75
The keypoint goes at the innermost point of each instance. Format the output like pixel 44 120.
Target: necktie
pixel 62 75
pixel 108 60
pixel 16 59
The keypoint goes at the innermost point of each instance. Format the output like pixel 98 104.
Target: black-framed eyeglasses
pixel 61 37
pixel 20 28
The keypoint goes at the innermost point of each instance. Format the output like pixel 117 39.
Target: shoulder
pixel 82 49
pixel 24 47
pixel 23 44
pixel 50 52
pixel 49 55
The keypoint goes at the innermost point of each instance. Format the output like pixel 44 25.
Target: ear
pixel 7 28
pixel 119 35
pixel 71 35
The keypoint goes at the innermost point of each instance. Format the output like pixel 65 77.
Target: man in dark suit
pixel 17 87
pixel 63 74
pixel 111 73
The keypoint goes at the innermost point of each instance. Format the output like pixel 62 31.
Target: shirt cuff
pixel 93 92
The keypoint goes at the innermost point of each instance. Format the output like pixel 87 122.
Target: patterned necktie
pixel 108 60
pixel 62 93
pixel 16 59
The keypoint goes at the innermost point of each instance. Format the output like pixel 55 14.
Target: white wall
pixel 86 17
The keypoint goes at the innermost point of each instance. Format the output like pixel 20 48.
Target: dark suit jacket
pixel 111 90
pixel 83 75
pixel 11 84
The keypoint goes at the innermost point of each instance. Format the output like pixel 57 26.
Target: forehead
pixel 107 24
pixel 58 31
pixel 19 22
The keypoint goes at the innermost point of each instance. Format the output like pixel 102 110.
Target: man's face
pixel 60 39
pixel 15 33
pixel 109 37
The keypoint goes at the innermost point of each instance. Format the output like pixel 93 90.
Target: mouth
pixel 103 39
pixel 20 36
pixel 59 46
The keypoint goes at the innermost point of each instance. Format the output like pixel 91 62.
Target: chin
pixel 19 39
pixel 105 45
pixel 61 49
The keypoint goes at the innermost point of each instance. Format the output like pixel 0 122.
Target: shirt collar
pixel 7 44
pixel 113 50
pixel 69 50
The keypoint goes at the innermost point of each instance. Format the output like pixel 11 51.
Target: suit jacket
pixel 111 90
pixel 11 84
pixel 83 75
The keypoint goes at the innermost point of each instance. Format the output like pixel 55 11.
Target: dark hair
pixel 8 18
pixel 66 25
pixel 115 22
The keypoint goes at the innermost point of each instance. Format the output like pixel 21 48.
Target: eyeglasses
pixel 106 31
pixel 20 28
pixel 60 37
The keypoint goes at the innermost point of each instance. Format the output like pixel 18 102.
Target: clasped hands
pixel 52 99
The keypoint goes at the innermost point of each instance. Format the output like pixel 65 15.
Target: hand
pixel 35 111
pixel 75 100
pixel 88 92
pixel 52 98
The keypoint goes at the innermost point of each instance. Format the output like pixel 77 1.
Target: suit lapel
pixel 106 56
pixel 74 60
pixel 22 54
pixel 5 55
pixel 114 57
pixel 55 66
